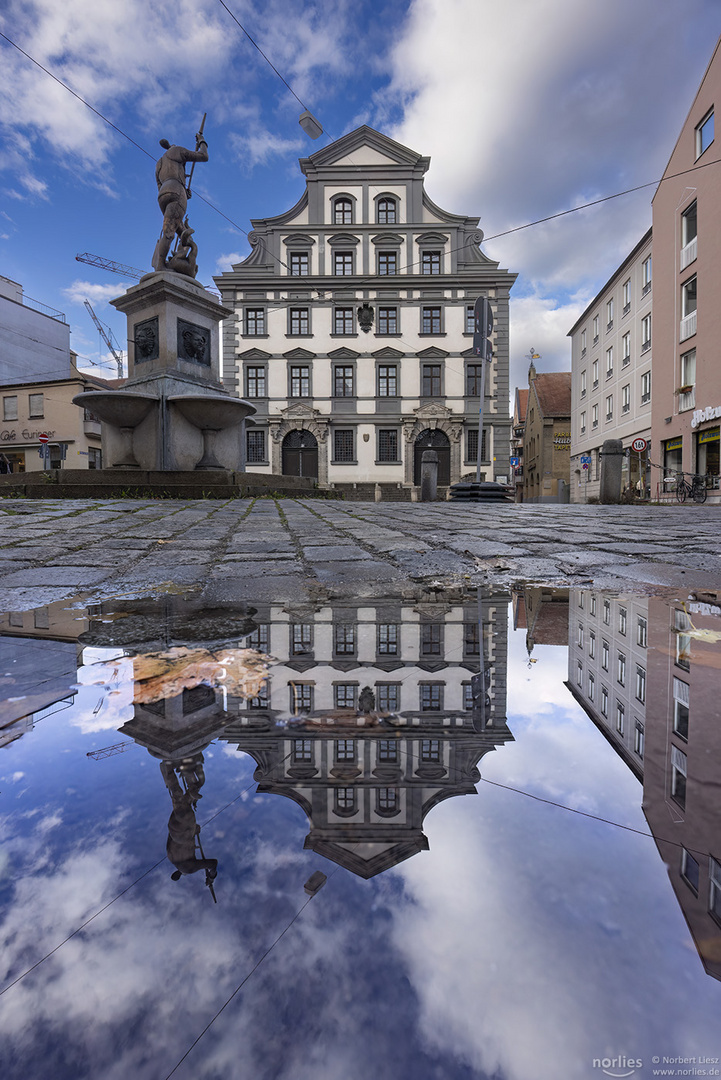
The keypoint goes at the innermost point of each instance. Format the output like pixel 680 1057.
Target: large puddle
pixel 164 910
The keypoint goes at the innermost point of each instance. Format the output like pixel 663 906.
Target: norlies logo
pixel 618 1066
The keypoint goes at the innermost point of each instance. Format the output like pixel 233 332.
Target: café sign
pixel 11 435
pixel 709 413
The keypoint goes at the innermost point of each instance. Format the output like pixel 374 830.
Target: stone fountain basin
pixel 117 407
pixel 212 412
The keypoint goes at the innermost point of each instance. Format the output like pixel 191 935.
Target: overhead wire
pixel 371 278
pixel 118 895
pixel 358 283
pixel 245 979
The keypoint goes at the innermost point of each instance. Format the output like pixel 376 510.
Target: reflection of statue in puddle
pixel 184 780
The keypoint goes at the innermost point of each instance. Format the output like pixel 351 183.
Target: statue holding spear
pixel 173 194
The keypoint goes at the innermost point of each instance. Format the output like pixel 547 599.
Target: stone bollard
pixel 612 455
pixel 429 476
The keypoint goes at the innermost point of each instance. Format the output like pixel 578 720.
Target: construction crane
pixel 118 356
pixel 107 264
pixel 109 751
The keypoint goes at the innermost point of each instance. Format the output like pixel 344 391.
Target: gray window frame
pixel 353 459
pixel 260 434
pixel 299 258
pixel 384 255
pixel 292 311
pixel 247 379
pixel 441 380
pixel 342 314
pixel 385 308
pixel 340 257
pixel 300 367
pixel 430 320
pixel 431 262
pixel 388 460
pixel 255 312
pixel 396 380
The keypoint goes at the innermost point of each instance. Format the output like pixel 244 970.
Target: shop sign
pixel 711 435
pixel 673 444
pixel 11 435
pixel 562 438
pixel 709 413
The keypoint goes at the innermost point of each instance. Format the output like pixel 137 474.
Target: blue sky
pixel 526 109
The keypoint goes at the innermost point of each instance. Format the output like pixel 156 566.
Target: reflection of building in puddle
pixel 646 671
pixel 372 716
pixel 38 665
pixel 542 613
pixel 682 778
pixel 607 667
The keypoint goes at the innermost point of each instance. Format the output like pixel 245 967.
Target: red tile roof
pixel 519 413
pixel 553 391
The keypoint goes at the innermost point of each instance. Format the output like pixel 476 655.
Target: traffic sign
pixel 585 459
pixel 639 445
pixel 43 437
pixel 585 465
pixel 515 461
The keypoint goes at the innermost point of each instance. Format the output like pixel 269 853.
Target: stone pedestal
pixel 612 456
pixel 173 412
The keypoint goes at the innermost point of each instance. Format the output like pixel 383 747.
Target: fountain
pixel 173 413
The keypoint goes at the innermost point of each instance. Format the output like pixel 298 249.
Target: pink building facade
pixel 686 414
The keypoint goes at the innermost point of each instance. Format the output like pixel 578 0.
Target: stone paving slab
pixel 237 550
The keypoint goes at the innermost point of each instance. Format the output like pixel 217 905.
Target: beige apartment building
pixel 687 294
pixel 611 377
pixel 38 381
pixel 32 409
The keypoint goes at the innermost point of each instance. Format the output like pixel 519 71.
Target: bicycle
pixel 696 489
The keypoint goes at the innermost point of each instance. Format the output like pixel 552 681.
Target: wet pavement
pixel 238 549
pixel 299 789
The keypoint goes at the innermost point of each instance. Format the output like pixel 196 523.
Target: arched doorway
pixel 300 454
pixel 433 440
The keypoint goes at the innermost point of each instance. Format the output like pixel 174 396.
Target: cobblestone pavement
pixel 288 548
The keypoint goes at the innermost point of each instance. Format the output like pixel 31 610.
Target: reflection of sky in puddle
pixel 524 943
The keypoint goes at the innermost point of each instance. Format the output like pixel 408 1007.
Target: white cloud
pixel 259 146
pixel 546 108
pixel 80 291
pixel 227 261
pixel 87 44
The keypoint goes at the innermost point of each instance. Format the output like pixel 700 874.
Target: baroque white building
pixel 353 328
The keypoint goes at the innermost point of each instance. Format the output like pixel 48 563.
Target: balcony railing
pixel 646 289
pixel 646 345
pixel 688 326
pixel 689 253
pixel 626 308
pixel 686 399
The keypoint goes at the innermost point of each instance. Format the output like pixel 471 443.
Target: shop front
pixel 707 455
pixel 672 456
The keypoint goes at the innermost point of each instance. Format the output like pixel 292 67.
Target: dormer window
pixel 387 211
pixel 342 212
